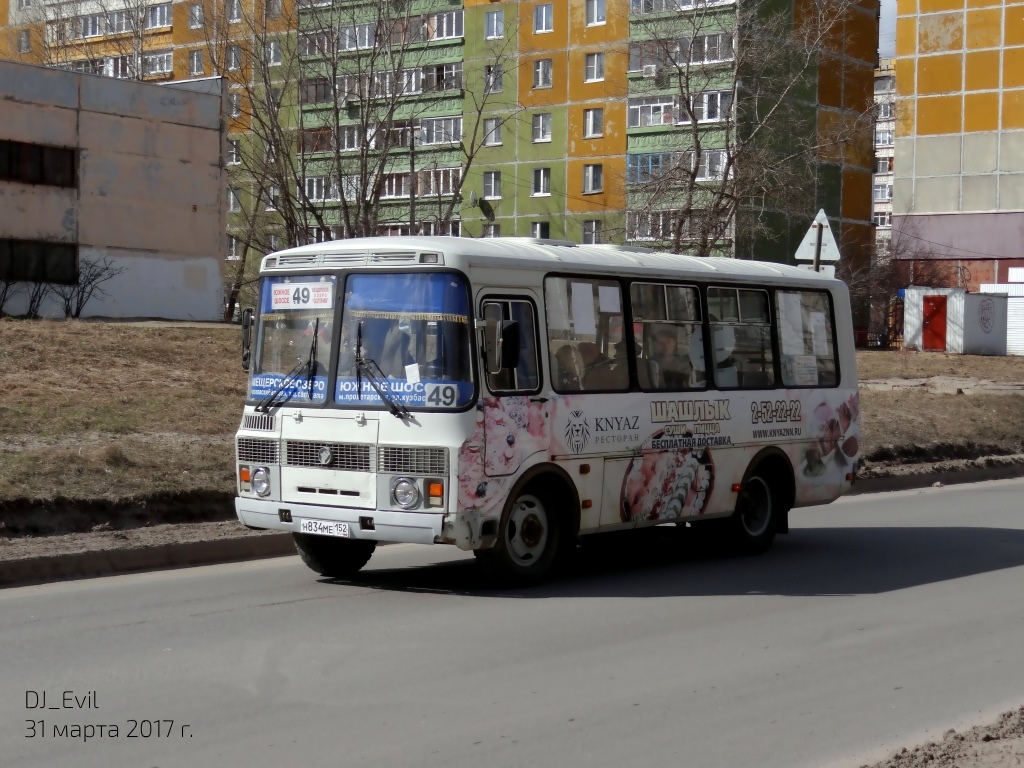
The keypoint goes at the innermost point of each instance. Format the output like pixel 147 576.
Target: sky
pixel 887 30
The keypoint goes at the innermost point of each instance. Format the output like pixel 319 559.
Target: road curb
pixel 115 561
pixel 928 479
pixel 195 553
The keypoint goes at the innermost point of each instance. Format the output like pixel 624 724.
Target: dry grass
pixel 921 365
pixel 118 411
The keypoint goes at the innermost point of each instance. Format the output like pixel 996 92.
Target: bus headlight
pixel 261 481
pixel 405 493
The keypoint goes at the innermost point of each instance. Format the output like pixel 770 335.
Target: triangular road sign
pixel 829 249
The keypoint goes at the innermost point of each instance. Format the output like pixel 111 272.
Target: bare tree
pixel 8 290
pixel 737 82
pixel 92 274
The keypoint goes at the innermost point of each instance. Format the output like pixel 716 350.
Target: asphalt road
pixel 878 621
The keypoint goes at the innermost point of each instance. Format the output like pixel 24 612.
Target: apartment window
pixel 234 10
pixel 440 130
pixel 593 178
pixel 119 22
pixel 439 181
pixel 195 62
pixel 272 198
pixel 885 84
pixel 24 41
pixel 315 43
pixel 544 18
pixel 492 230
pixel 653 225
pixel 492 131
pixel 492 185
pixel 234 57
pixel 711 48
pixel 641 169
pixel 320 188
pixel 882 219
pixel 35 261
pixel 883 137
pixel 443 26
pixel 273 9
pixel 23 4
pixel 494 24
pixel 442 77
pixel 594 67
pixel 157 63
pixel 234 248
pixel 234 151
pixel 595 12
pixel 591 232
pixel 357 36
pixel 235 104
pixel 712 106
pixel 883 165
pixel 884 111
pixel 195 16
pixel 541 230
pixel 492 78
pixel 36 164
pixel 158 16
pixel 234 201
pixel 274 53
pixel 593 123
pixel 92 25
pixel 657 110
pixel 542 127
pixel 711 164
pixel 541 182
pixel 882 192
pixel 542 70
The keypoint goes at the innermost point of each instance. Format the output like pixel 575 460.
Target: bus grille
pixel 413 461
pixel 260 421
pixel 257 451
pixel 344 456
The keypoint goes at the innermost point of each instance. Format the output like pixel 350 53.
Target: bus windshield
pixel 294 313
pixel 416 329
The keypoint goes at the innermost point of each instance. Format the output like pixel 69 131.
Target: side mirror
pixel 502 343
pixel 247 323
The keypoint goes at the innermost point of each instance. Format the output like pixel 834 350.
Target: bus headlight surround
pixel 261 481
pixel 405 493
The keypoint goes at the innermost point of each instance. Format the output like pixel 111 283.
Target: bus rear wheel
pixel 753 525
pixel 334 557
pixel 529 537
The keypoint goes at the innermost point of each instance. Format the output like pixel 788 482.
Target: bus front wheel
pixel 334 557
pixel 528 540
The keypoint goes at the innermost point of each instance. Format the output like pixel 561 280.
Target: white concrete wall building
pixel 147 189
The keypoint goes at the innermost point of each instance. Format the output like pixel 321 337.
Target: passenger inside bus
pixel 674 369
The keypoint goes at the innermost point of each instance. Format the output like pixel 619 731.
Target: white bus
pixel 508 396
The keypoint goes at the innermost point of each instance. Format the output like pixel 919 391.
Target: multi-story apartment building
pixel 885 132
pixel 958 198
pixel 587 120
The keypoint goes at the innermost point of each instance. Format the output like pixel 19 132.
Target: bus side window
pixel 525 377
pixel 668 336
pixel 806 338
pixel 586 335
pixel 741 336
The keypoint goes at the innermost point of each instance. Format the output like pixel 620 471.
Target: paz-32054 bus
pixel 508 396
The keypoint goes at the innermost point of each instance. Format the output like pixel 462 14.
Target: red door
pixel 933 332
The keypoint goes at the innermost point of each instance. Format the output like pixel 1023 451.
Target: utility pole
pixel 413 229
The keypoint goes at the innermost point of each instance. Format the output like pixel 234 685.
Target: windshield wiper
pixel 304 366
pixel 375 375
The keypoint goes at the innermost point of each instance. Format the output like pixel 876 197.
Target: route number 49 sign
pixel 302 296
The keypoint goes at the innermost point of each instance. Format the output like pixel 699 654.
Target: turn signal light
pixel 435 489
pixel 736 487
pixel 587 504
pixel 244 475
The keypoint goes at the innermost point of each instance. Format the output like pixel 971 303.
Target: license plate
pixel 323 528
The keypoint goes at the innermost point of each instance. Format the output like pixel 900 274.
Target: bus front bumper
pixel 387 525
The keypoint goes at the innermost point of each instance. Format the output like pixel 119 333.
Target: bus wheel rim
pixel 756 507
pixel 527 531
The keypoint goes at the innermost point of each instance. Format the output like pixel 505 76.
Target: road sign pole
pixel 817 248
